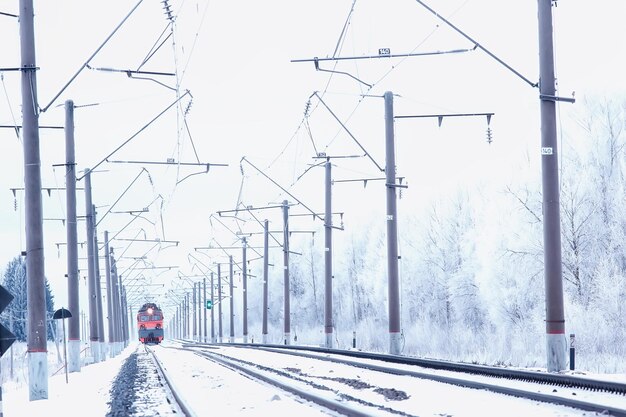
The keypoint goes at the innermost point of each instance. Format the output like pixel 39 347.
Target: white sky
pixel 249 100
pixel 211 389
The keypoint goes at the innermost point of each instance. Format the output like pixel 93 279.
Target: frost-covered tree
pixel 15 316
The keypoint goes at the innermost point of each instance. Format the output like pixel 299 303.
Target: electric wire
pixel 195 40
pixel 6 94
pixel 154 49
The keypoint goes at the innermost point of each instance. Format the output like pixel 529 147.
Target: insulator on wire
pixel 489 135
pixel 15 204
pixel 307 108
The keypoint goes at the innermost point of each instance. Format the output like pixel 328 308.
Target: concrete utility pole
pixel 111 320
pixel 219 302
pixel 204 308
pixel 245 293
pixel 555 316
pixel 213 305
pixel 96 259
pixel 328 259
pixel 232 303
pixel 91 273
pixel 392 229
pixel 193 314
pixel 198 311
pixel 265 277
pixel 287 329
pixel 116 306
pixel 72 241
pixel 37 335
pixel 128 314
pixel 187 324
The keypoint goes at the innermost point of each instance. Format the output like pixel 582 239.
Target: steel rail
pixel 520 393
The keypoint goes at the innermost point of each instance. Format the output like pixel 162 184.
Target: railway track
pixel 139 389
pixel 599 396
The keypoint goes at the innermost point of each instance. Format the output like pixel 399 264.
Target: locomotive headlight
pixel 150 310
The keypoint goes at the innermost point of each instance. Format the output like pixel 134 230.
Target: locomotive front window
pixel 144 318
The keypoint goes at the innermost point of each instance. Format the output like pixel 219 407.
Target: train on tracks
pixel 150 324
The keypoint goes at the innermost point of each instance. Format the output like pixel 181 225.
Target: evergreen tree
pixel 15 316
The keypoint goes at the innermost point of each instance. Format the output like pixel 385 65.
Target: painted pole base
pixel 38 376
pixel 264 339
pixel 329 341
pixel 287 339
pixel 556 349
pixel 95 351
pixel 73 359
pixel 245 338
pixel 231 339
pixel 394 343
pixel 103 351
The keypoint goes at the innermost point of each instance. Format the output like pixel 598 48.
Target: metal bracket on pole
pixel 557 98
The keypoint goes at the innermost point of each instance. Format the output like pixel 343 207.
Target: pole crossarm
pixel 176 242
pixel 131 72
pixel 20 126
pixel 199 164
pixel 383 54
pixel 248 208
pixel 441 116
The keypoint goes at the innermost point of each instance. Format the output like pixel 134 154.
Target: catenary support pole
pixel 72 242
pixel 555 315
pixel 35 273
pixel 392 229
pixel 96 259
pixel 91 273
pixel 204 309
pixel 199 311
pixel 219 303
pixel 287 326
pixel 265 278
pixel 213 306
pixel 128 316
pixel 109 280
pixel 232 302
pixel 116 305
pixel 328 259
pixel 245 292
pixel 193 314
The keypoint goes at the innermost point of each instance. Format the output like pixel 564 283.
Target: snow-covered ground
pixel 210 389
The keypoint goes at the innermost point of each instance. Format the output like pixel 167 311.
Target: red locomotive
pixel 150 324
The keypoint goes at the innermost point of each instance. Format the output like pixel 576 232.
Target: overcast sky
pixel 249 100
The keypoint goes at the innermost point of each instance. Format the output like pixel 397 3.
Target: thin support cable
pixel 136 134
pixel 154 49
pixel 283 188
pixel 6 94
pixel 91 57
pixel 478 45
pixel 120 197
pixel 350 134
